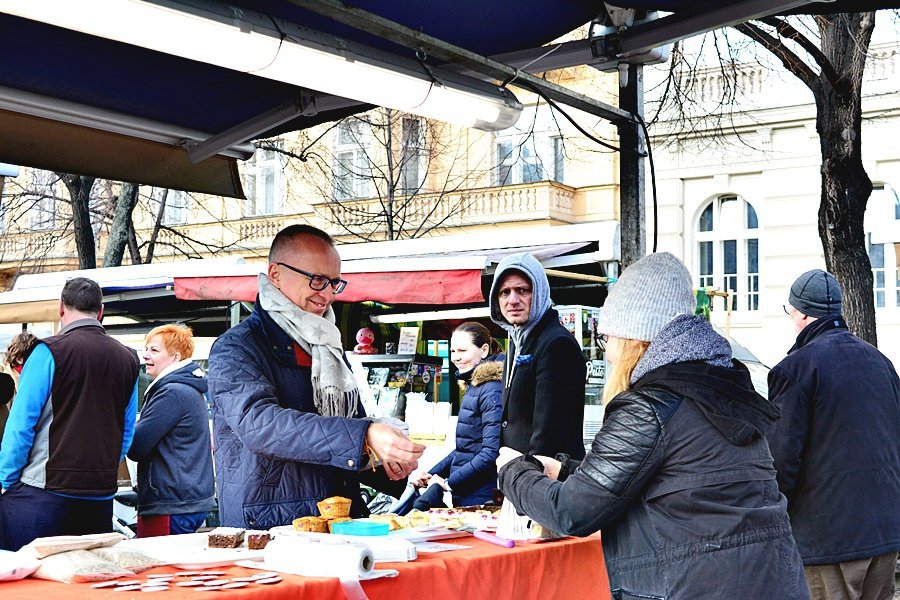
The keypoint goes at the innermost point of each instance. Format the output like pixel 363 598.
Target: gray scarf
pixel 686 338
pixel 334 388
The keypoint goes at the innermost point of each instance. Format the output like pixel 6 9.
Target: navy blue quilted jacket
pixel 275 456
pixel 171 446
pixel 471 469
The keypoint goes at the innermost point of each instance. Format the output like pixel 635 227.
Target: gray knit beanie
pixel 649 294
pixel 816 293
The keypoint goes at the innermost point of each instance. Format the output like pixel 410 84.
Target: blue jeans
pixel 188 523
pixel 28 512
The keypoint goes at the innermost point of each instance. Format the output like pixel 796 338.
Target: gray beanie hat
pixel 649 294
pixel 816 293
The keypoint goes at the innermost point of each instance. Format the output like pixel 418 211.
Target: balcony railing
pixel 524 202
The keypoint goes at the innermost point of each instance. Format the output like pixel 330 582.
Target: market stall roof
pixel 445 270
pixel 439 270
pixel 86 98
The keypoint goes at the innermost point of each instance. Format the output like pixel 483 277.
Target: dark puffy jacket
pixel 837 445
pixel 275 456
pixel 680 481
pixel 471 469
pixel 172 447
pixel 543 403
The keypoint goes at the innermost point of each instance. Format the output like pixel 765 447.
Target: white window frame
pixel 352 168
pixel 535 143
pixel 743 283
pixel 882 228
pixel 413 165
pixel 264 170
pixel 177 208
pixel 43 192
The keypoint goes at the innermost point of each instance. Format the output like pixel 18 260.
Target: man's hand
pixel 398 454
pixel 506 454
pixel 397 470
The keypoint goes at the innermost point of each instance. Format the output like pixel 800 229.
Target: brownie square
pixel 225 537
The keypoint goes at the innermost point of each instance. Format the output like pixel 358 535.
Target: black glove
pixel 433 497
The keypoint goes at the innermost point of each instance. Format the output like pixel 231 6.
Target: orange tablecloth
pixel 570 568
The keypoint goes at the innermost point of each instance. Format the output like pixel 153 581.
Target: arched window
pixel 727 247
pixel 882 226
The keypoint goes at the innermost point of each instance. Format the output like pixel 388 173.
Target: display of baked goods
pixel 331 522
pixel 225 537
pixel 257 540
pixel 312 524
pixel 334 507
pixel 477 517
pixel 394 520
pixel 418 518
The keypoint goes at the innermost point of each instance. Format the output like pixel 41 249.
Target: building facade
pixel 738 200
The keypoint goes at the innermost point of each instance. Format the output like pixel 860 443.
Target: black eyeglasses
pixel 601 338
pixel 319 282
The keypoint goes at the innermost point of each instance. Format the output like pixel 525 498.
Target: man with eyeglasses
pixel 288 424
pixel 837 447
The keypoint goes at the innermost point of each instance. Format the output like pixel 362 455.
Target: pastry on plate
pixel 225 537
pixel 311 524
pixel 334 507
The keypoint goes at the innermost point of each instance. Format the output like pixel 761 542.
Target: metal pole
pixel 632 205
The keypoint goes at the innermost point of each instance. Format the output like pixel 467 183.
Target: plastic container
pixel 360 527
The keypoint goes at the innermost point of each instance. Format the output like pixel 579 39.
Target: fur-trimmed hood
pixel 488 370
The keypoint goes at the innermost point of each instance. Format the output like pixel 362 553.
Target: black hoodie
pixel 734 407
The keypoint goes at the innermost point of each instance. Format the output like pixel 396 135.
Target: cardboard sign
pixel 409 338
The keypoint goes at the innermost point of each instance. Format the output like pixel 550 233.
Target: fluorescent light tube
pixel 249 42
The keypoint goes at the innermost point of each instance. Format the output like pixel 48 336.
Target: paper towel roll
pixel 318 559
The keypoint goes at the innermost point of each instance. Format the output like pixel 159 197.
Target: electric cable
pixel 555 106
pixel 643 125
pixel 649 153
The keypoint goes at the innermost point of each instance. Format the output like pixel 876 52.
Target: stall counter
pixel 570 568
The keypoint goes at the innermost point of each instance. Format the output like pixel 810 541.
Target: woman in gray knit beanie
pixel 679 478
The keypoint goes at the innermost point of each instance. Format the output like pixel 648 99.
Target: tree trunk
pixel 118 232
pixel 80 192
pixel 845 185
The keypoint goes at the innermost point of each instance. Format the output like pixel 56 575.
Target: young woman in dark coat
pixel 470 471
pixel 679 479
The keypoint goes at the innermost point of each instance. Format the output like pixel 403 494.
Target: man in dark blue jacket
pixel 837 447
pixel 286 412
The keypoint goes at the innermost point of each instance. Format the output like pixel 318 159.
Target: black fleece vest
pixel 92 384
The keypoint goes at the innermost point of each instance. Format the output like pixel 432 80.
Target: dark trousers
pixel 28 512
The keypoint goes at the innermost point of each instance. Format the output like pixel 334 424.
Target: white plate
pixel 189 551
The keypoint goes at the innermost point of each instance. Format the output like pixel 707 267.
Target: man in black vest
pixel 70 426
